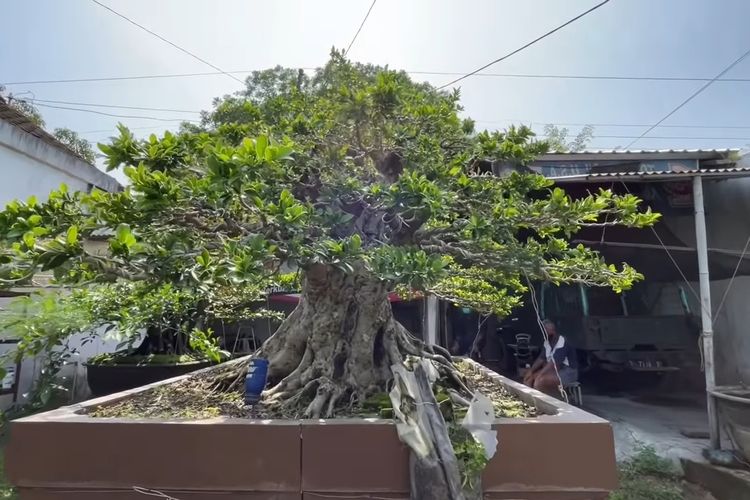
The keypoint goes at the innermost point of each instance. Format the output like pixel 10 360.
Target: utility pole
pixel 707 333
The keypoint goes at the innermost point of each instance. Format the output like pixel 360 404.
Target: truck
pixel 648 329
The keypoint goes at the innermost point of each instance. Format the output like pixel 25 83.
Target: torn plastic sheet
pixel 478 421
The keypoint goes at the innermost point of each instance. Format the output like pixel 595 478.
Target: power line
pixel 360 27
pixel 594 124
pixel 107 114
pixel 107 130
pixel 506 56
pixel 691 97
pixel 115 106
pixel 582 77
pixel 181 49
pixel 436 73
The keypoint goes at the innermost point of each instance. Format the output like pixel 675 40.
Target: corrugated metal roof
pixel 648 151
pixel 631 154
pixel 653 176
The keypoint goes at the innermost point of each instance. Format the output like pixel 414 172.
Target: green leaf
pixel 260 147
pixel 72 236
pixel 29 239
pixel 125 236
pixel 355 242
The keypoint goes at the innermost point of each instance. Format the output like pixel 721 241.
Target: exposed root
pixel 337 348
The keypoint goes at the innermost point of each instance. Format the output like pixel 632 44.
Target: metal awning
pixel 712 173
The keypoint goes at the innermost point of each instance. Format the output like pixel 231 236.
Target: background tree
pixel 76 143
pixel 557 138
pixel 357 180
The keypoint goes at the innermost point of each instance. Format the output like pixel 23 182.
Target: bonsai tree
pixel 354 182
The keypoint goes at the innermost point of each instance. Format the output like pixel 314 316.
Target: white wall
pixel 30 166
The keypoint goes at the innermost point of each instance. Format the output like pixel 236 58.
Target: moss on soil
pixel 193 398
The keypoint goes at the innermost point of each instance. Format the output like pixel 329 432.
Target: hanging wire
pixel 540 323
pixel 731 281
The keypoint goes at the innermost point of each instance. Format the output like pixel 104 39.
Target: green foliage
pixel 24 107
pixel 557 138
pixel 204 341
pixel 76 143
pixel 646 462
pixel 470 455
pixel 647 476
pixel 355 166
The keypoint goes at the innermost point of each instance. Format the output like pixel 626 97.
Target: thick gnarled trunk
pixel 337 346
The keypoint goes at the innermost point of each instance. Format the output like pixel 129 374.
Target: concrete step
pixel 721 482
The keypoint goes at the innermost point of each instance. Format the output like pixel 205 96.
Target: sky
pixel 52 39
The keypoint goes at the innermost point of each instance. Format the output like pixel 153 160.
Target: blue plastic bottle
pixel 255 381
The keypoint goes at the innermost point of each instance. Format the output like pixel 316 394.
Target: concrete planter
pixel 564 454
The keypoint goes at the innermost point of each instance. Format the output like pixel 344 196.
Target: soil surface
pixel 193 398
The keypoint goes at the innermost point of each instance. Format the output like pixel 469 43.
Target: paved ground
pixel 654 422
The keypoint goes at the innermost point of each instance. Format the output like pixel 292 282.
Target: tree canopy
pixel 355 166
pixel 76 143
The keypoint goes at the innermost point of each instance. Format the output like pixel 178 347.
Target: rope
pixel 152 493
pixel 546 337
pixel 731 281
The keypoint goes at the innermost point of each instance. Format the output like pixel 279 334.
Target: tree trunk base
pixel 337 347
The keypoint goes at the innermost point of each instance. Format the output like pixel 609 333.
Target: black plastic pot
pixel 106 379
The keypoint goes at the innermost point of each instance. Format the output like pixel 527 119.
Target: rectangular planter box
pixel 563 454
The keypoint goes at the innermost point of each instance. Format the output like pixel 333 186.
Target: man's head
pixel 550 328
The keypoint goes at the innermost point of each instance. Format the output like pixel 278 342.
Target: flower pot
pixel 239 458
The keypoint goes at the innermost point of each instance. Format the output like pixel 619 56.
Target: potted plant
pixel 356 181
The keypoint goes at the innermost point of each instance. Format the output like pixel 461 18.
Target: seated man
pixel 557 353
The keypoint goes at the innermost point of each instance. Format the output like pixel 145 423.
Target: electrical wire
pixel 691 97
pixel 594 124
pixel 434 73
pixel 181 49
pixel 115 106
pixel 529 44
pixel 360 27
pixel 674 261
pixel 105 130
pixel 731 281
pixel 108 114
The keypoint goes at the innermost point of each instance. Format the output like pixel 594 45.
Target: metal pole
pixel 706 320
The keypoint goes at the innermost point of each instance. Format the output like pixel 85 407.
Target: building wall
pixel 29 166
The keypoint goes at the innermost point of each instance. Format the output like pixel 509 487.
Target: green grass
pixel 647 476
